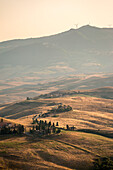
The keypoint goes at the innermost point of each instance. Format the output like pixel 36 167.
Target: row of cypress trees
pixel 45 128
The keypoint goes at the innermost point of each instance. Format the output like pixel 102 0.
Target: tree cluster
pixel 59 109
pixel 43 128
pixel 70 128
pixel 60 93
pixel 16 129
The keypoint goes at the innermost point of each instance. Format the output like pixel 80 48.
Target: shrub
pixel 58 131
pixel 1 120
pixel 103 163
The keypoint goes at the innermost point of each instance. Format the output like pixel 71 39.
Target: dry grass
pixel 69 150
pixel 87 113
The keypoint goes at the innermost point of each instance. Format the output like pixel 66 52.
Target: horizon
pixel 24 19
pixel 25 38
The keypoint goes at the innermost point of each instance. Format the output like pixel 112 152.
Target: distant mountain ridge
pixel 75 59
pixel 84 50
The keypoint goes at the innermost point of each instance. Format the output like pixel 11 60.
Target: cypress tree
pixel 49 123
pixel 67 126
pixel 57 124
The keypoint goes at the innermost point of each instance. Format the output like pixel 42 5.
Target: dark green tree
pixel 20 129
pixel 58 131
pixel 57 124
pixel 45 122
pixel 27 98
pixel 1 120
pixel 37 127
pixel 54 130
pixel 49 123
pixel 67 127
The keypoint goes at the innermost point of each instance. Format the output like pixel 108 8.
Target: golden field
pixel 67 150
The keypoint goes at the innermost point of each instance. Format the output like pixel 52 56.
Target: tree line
pixel 59 109
pixel 43 128
pixel 16 129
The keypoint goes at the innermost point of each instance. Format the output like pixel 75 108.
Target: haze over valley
pixel 29 67
pixel 56 101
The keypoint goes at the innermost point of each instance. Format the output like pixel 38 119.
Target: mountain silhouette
pixel 86 50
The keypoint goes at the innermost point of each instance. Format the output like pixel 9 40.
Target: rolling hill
pixel 88 112
pixel 76 59
pixel 84 50
pixel 92 137
pixel 20 88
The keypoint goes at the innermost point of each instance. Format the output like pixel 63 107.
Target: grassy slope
pixel 7 121
pixel 71 150
pixel 19 88
pixel 88 112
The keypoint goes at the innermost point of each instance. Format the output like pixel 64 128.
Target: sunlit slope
pixel 64 151
pixel 18 89
pixel 68 150
pixel 88 112
pixel 5 121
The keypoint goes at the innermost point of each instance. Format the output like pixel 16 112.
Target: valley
pixel 18 89
pixel 75 59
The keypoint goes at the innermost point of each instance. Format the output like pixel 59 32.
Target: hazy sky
pixel 35 18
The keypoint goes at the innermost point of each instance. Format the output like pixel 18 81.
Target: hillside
pixel 84 50
pixel 5 121
pixel 67 151
pixel 92 138
pixel 18 89
pixel 88 112
pixel 103 92
pixel 76 59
